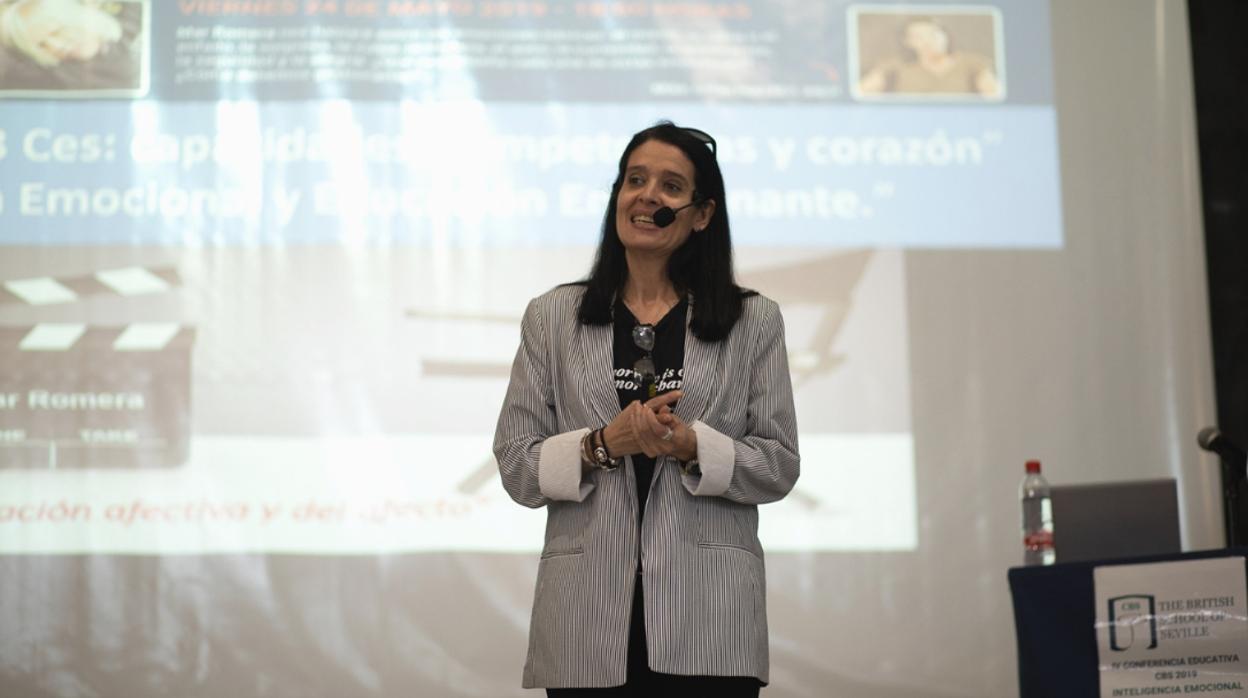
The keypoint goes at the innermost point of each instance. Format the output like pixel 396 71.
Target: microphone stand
pixel 1234 464
pixel 1232 478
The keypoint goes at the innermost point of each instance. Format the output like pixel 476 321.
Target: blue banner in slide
pixel 500 123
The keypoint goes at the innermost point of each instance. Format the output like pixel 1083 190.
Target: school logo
pixel 1132 621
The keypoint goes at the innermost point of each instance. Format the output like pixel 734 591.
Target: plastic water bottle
pixel 1037 517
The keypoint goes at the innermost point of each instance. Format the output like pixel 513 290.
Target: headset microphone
pixel 664 216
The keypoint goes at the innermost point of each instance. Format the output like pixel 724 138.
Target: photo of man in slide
pixel 918 56
pixel 59 47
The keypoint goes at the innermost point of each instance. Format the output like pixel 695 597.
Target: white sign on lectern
pixel 1172 628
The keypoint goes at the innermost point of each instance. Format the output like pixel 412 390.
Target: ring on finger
pixel 668 435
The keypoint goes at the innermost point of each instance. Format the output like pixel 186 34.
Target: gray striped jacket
pixel 704 584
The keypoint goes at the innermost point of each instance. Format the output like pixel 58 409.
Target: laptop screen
pixel 1115 519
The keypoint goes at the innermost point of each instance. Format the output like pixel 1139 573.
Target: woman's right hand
pixel 622 434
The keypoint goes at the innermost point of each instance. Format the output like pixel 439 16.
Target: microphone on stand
pixel 1234 464
pixel 665 215
pixel 1215 441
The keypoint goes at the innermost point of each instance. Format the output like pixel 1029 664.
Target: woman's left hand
pixel 662 433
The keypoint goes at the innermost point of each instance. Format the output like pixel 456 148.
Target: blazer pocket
pixel 565 528
pixel 726 524
pixel 548 554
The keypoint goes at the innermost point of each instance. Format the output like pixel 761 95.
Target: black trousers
pixel 642 681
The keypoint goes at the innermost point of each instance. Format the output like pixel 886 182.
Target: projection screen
pixel 262 265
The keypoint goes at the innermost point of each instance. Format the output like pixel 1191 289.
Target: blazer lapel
pixel 702 371
pixel 597 372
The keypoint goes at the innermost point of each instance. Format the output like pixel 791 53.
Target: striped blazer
pixel 703 577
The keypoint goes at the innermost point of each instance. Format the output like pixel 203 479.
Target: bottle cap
pixel 1033 466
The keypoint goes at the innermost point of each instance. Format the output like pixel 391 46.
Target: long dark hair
pixel 701 267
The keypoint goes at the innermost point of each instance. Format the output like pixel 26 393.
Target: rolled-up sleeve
pixel 763 464
pixel 537 465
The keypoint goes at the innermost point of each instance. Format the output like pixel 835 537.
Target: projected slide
pixel 261 279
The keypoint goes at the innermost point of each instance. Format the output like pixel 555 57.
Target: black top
pixel 669 360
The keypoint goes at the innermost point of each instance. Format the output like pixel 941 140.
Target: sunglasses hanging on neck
pixel 643 337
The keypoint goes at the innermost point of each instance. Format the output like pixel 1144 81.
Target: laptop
pixel 1115 519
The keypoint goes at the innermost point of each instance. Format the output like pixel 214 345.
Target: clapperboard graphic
pixel 74 395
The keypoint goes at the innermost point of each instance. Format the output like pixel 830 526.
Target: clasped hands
pixel 651 428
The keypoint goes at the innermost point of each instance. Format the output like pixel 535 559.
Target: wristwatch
pixel 691 467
